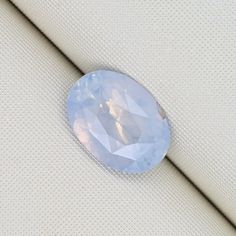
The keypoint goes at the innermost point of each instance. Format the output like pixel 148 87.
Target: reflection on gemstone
pixel 118 121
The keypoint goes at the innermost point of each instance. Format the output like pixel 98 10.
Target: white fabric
pixel 184 52
pixel 49 184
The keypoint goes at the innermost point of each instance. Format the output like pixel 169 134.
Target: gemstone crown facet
pixel 118 121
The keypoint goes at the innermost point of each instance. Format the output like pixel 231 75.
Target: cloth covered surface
pixel 184 52
pixel 49 185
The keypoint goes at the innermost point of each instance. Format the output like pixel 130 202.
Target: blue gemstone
pixel 118 121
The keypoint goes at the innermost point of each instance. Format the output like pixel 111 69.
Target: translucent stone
pixel 118 121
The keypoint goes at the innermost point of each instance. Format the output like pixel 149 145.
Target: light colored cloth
pixel 184 52
pixel 49 185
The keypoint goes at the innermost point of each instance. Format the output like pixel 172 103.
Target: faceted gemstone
pixel 118 121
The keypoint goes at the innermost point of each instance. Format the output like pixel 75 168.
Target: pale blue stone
pixel 118 121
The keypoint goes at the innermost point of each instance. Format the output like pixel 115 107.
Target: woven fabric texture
pixel 183 51
pixel 49 184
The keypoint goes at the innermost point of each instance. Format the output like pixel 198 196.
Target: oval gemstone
pixel 118 121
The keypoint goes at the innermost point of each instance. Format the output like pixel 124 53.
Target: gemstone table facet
pixel 118 121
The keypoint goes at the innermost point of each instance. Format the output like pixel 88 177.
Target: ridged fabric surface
pixel 49 184
pixel 184 52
